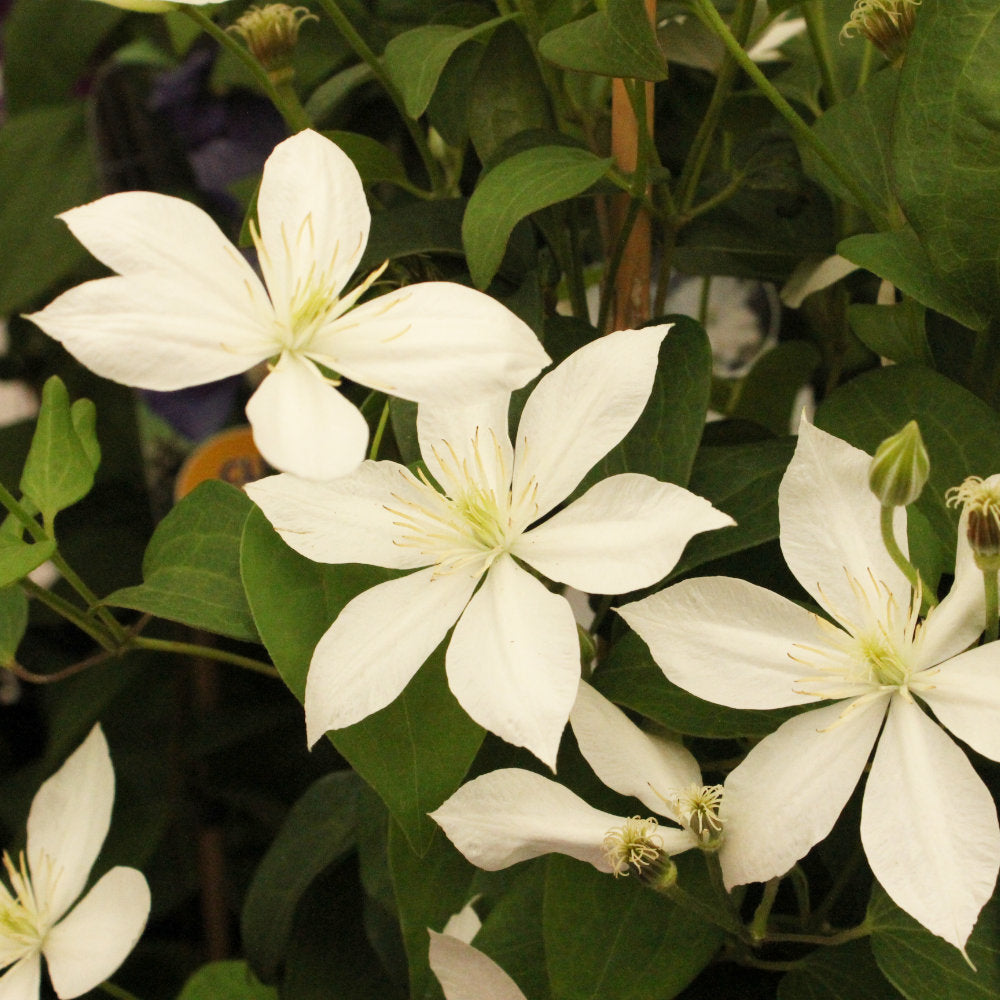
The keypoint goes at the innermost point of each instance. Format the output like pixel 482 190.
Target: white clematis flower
pixel 187 308
pixel 514 661
pixel 67 825
pixel 511 815
pixel 928 823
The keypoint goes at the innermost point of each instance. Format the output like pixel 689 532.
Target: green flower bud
pixel 271 34
pixel 900 468
pixel 887 24
pixel 145 6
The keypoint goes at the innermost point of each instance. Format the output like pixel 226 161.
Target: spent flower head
pixel 271 33
pixel 887 24
pixel 980 502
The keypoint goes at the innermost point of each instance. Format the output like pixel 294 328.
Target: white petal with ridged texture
pixel 434 342
pixel 313 216
pixel 511 815
pixel 22 981
pixel 790 789
pixel 344 520
pixel 627 759
pixel 830 522
pixel 96 937
pixel 514 660
pixel 303 425
pixel 727 641
pixel 624 533
pixel 465 973
pixel 929 825
pixel 459 442
pixel 378 642
pixel 581 409
pixel 68 822
pixel 966 697
pixel 156 334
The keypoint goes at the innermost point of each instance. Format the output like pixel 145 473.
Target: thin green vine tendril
pixel 203 652
pixel 761 916
pixel 379 431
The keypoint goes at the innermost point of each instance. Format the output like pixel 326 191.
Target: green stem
pixel 379 431
pixel 992 609
pixel 117 992
pixel 830 940
pixel 905 566
pixel 842 880
pixel 731 920
pixel 205 652
pixel 705 9
pixel 8 500
pixel 816 28
pixel 761 916
pixel 365 53
pixel 71 613
pixel 291 110
pixel 93 602
pixel 717 199
pixel 721 918
pixel 800 886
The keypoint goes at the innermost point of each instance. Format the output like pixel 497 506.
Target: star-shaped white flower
pixel 514 660
pixel 928 823
pixel 67 825
pixel 186 308
pixel 511 815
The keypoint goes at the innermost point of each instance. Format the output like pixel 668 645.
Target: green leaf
pixel 59 469
pixel 53 140
pixel 13 620
pixel 374 162
pixel 769 390
pixel 894 331
pixel 946 145
pixel 416 59
pixel 423 227
pixel 962 434
pixel 858 132
pixel 229 980
pixel 618 41
pixel 901 258
pixel 415 751
pixel 630 677
pixel 515 188
pixel 847 972
pixel 191 569
pixel 615 939
pixel 923 966
pixel 18 557
pixel 83 414
pixel 664 441
pixel 319 830
pixel 743 481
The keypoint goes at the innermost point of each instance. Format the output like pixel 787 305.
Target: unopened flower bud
pixel 899 470
pixel 887 24
pixel 145 6
pixel 271 34
pixel 980 501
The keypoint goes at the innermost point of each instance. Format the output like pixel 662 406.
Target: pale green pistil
pixel 885 663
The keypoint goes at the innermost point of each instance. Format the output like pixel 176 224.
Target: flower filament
pixel 24 918
pixel 634 846
pixel 697 807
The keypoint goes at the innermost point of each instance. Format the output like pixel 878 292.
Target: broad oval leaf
pixel 228 980
pixel 515 188
pixel 848 972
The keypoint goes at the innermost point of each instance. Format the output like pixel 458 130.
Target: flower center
pixel 23 918
pixel 478 520
pixel 634 846
pixel 697 807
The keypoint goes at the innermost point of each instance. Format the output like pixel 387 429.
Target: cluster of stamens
pixel 697 807
pixel 22 919
pixel 633 847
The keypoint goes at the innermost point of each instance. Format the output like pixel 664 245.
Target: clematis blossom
pixel 85 943
pixel 513 661
pixel 928 823
pixel 186 308
pixel 511 815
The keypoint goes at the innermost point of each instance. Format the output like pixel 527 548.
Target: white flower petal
pixel 346 520
pixel 813 274
pixel 312 211
pixel 158 334
pixel 511 815
pixel 581 409
pixel 789 791
pixel 462 442
pixel 96 937
pixel 627 759
pixel 303 425
pixel 514 660
pixel 929 826
pixel 624 533
pixel 465 924
pixel 434 342
pixel 378 642
pixel 68 822
pixel 22 981
pixel 465 973
pixel 727 641
pixel 966 698
pixel 830 522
